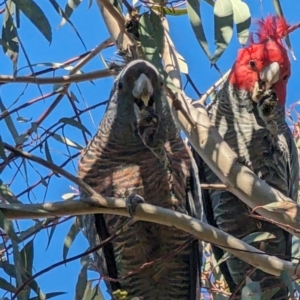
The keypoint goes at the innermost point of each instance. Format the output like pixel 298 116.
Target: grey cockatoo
pixel 249 113
pixel 138 154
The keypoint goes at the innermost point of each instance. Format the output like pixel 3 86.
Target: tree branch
pixel 67 79
pixel 158 215
pixel 206 140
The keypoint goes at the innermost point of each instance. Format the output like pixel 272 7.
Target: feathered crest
pixel 274 28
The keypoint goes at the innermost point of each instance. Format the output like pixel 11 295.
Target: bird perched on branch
pixel 138 154
pixel 249 113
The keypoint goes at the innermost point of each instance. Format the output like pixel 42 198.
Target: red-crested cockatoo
pixel 249 113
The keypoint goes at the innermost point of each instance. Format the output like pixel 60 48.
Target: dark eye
pixel 285 77
pixel 252 64
pixel 120 85
pixel 148 119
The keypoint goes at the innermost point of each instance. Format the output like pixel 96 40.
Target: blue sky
pixel 65 45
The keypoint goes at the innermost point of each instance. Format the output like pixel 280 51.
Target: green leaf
pixel 251 291
pixel 269 293
pixel 158 31
pixel 286 278
pixel 193 9
pixel 66 141
pixel 5 285
pixel 149 40
pixel 27 254
pixel 75 123
pixel 34 13
pixel 278 207
pixel 170 11
pixel 92 293
pixel 69 239
pixel 242 19
pixel 22 119
pixel 223 19
pixel 53 227
pixel 249 239
pixel 2 150
pixel 69 9
pixel 6 194
pixel 49 295
pixel 258 237
pixel 69 196
pixel 7 227
pixel 81 284
pixel 9 122
pixel 279 12
pixel 47 152
pixel 10 39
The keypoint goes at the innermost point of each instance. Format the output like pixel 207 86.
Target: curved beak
pixel 143 89
pixel 270 74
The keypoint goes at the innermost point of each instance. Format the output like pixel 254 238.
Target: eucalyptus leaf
pixel 34 13
pixel 242 19
pixel 193 9
pixel 223 24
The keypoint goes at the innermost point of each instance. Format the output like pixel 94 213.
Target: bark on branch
pixel 206 140
pixel 150 213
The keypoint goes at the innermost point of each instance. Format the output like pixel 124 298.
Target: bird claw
pixel 267 104
pixel 132 202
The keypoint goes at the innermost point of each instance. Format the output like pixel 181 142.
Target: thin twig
pixel 212 88
pixel 213 186
pixel 66 79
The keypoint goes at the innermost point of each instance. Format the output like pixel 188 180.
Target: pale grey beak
pixel 143 89
pixel 270 74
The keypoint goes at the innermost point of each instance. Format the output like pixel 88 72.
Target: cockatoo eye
pixel 120 85
pixel 252 64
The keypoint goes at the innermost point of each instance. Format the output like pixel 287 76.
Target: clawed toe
pixel 132 202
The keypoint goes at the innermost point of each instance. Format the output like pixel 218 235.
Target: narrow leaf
pixel 81 284
pixel 67 141
pixel 242 20
pixel 69 9
pixel 269 293
pixel 92 293
pixel 170 11
pixel 10 39
pixel 9 122
pixel 75 123
pixel 69 196
pixel 277 206
pixel 49 295
pixel 69 239
pixel 34 13
pixel 158 31
pixel 52 230
pixel 47 152
pixel 258 237
pixel 252 291
pixel 7 227
pixel 193 9
pixel 279 12
pixel 27 254
pixel 223 19
pixel 5 285
pixel 148 40
pixel 286 278
pixel 2 150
